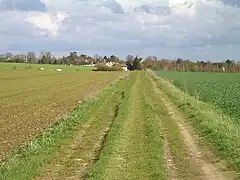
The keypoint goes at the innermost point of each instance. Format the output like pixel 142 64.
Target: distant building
pixel 109 64
pixel 90 65
pixel 125 68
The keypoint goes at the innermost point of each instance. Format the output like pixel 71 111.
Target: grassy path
pixel 188 159
pixel 134 147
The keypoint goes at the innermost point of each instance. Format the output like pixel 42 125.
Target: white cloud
pixel 48 24
pixel 159 27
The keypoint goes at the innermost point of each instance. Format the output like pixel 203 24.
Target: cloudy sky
pixel 196 29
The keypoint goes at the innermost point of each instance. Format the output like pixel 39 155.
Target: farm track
pixel 37 104
pixel 184 158
pixel 133 149
pixel 138 132
pixel 135 152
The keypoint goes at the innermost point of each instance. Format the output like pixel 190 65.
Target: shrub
pixel 101 67
pixel 116 67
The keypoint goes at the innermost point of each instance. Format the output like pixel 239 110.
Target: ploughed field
pixel 32 100
pixel 220 89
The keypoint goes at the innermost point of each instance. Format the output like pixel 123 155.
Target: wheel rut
pixel 196 155
pixel 75 157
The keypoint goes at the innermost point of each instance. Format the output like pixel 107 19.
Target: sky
pixel 190 29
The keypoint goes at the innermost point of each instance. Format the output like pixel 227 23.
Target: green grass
pixel 47 67
pixel 218 131
pixel 172 134
pixel 220 89
pixel 98 170
pixel 28 161
pixel 134 147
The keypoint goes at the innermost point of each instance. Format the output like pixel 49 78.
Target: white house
pixel 109 64
pixel 124 67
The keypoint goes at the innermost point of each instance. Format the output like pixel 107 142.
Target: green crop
pixel 220 89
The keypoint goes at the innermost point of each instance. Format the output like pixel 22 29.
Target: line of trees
pixel 193 66
pixel 48 58
pixel 132 62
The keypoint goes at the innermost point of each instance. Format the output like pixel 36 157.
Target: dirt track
pixel 203 167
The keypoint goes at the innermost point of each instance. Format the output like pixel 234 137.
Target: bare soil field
pixel 31 101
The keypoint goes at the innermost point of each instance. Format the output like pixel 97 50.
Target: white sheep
pixel 59 70
pixel 223 69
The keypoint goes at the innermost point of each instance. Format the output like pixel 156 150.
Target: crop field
pixel 32 100
pixel 219 89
